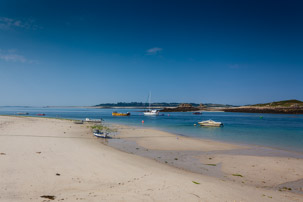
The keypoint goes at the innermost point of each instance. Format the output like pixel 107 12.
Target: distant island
pixel 165 107
pixel 140 104
pixel 279 107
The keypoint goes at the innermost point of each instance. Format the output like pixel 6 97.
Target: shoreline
pixel 291 152
pixel 284 152
pixel 294 152
pixel 52 157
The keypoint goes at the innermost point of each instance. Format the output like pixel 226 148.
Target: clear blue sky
pixel 91 52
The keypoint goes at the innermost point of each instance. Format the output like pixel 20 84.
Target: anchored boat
pixel 210 123
pixel 120 114
pixel 151 112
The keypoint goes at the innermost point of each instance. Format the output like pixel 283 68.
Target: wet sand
pixel 55 160
pixel 244 164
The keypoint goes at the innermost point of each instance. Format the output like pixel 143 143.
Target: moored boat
pixel 153 112
pixel 210 123
pixel 40 114
pixel 150 112
pixel 120 114
pixel 197 113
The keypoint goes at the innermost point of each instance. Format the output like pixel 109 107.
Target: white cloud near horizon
pixel 12 56
pixel 153 51
pixel 9 23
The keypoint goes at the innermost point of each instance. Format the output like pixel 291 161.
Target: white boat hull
pixel 103 135
pixel 210 123
pixel 151 113
pixel 215 125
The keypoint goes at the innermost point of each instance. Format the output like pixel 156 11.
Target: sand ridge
pixel 160 140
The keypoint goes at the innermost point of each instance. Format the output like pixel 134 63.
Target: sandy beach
pixel 56 160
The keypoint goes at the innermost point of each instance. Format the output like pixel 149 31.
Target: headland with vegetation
pixel 279 107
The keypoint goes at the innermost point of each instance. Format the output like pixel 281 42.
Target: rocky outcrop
pixel 180 109
pixel 184 107
pixel 201 106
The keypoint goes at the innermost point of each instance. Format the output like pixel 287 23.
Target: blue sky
pixel 91 52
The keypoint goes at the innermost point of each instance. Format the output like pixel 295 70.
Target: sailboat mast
pixel 149 99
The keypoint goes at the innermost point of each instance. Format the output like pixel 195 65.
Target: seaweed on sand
pixel 237 175
pixel 48 197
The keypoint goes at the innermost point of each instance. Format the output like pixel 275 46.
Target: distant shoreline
pixel 279 107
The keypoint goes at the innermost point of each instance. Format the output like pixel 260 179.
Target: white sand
pixel 91 171
pixel 159 140
pixel 258 170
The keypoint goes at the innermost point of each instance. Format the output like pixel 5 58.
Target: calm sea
pixel 280 131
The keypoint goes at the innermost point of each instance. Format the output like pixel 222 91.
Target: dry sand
pixel 52 157
pixel 258 170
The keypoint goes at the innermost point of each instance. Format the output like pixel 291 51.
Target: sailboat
pixel 151 112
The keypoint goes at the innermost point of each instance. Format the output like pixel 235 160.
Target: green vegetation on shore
pixel 280 107
pixel 284 103
pixel 103 128
pixel 237 175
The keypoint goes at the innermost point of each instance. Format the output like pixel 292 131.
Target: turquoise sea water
pixel 280 131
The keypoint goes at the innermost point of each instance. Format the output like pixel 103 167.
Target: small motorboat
pixel 98 133
pixel 210 123
pixel 40 114
pixel 120 114
pixel 197 113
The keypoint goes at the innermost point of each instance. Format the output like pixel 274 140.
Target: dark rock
pixel 180 109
